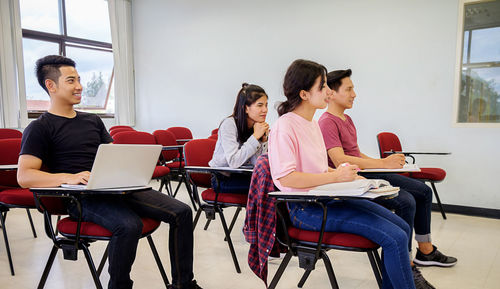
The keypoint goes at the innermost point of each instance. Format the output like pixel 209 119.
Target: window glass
pixel 485 45
pixel 88 19
pixel 86 40
pixel 95 68
pixel 40 15
pixel 479 99
pixel 36 98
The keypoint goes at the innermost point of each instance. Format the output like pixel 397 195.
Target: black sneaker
pixel 435 258
pixel 420 282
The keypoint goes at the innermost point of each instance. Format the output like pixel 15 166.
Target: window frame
pixel 63 40
pixel 458 69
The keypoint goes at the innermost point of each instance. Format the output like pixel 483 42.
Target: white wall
pixel 191 57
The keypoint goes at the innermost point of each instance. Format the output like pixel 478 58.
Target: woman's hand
pixel 345 173
pixel 260 130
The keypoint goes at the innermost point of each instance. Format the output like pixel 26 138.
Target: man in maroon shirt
pixel 415 198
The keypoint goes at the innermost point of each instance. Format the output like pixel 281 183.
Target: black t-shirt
pixel 65 145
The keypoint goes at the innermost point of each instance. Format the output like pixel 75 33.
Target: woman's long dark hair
pixel 300 75
pixel 249 93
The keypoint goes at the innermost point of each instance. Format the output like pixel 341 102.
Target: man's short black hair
pixel 48 68
pixel 334 78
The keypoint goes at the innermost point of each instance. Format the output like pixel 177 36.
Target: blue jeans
pixel 122 216
pixel 233 184
pixel 370 220
pixel 413 204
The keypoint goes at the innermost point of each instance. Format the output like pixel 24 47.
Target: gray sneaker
pixel 420 282
pixel 435 258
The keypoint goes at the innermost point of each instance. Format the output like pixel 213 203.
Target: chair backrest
pixel 166 138
pixel 181 132
pixel 133 137
pixel 120 126
pixel 9 153
pixel 199 152
pixel 10 133
pixel 117 130
pixel 388 141
pixel 215 131
pixel 214 137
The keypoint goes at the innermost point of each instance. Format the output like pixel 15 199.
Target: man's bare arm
pixel 338 157
pixel 29 174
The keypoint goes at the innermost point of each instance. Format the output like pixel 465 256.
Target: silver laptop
pixel 120 166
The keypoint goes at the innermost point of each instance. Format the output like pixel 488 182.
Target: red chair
pixel 198 153
pixel 310 246
pixel 11 195
pixel 160 173
pixel 120 129
pixel 120 126
pixel 170 160
pixel 181 133
pixel 10 133
pixel 78 235
pixel 215 131
pixel 389 142
pixel 214 137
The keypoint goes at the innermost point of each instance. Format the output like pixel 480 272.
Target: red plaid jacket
pixel 260 221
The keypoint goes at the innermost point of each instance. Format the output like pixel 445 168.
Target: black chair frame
pixel 432 182
pixel 310 252
pixel 4 209
pixel 211 208
pixel 71 243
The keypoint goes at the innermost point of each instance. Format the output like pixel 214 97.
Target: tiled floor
pixel 474 241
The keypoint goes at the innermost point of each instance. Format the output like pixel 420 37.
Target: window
pixel 80 30
pixel 479 93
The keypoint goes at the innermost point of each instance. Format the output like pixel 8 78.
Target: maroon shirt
pixel 339 133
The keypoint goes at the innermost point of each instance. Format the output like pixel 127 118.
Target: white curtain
pixel 12 90
pixel 120 16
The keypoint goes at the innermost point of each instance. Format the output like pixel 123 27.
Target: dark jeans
pixel 122 216
pixel 370 220
pixel 233 184
pixel 413 204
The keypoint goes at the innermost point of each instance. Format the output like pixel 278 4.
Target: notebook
pixel 355 188
pixel 121 166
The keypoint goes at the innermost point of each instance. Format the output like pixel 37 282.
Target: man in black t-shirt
pixel 66 141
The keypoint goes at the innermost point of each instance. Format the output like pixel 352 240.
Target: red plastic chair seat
pixel 337 239
pixel 208 195
pixel 174 165
pixel 67 226
pixel 19 197
pixel 160 171
pixel 433 174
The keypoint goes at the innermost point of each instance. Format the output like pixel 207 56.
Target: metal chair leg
pixel 46 271
pixel 238 210
pixel 438 200
pixel 329 270
pixel 375 267
pixel 31 223
pixel 229 242
pixel 304 278
pixel 6 239
pixel 103 261
pixel 281 269
pixel 93 271
pixel 158 261
pixel 196 218
pixel 208 224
